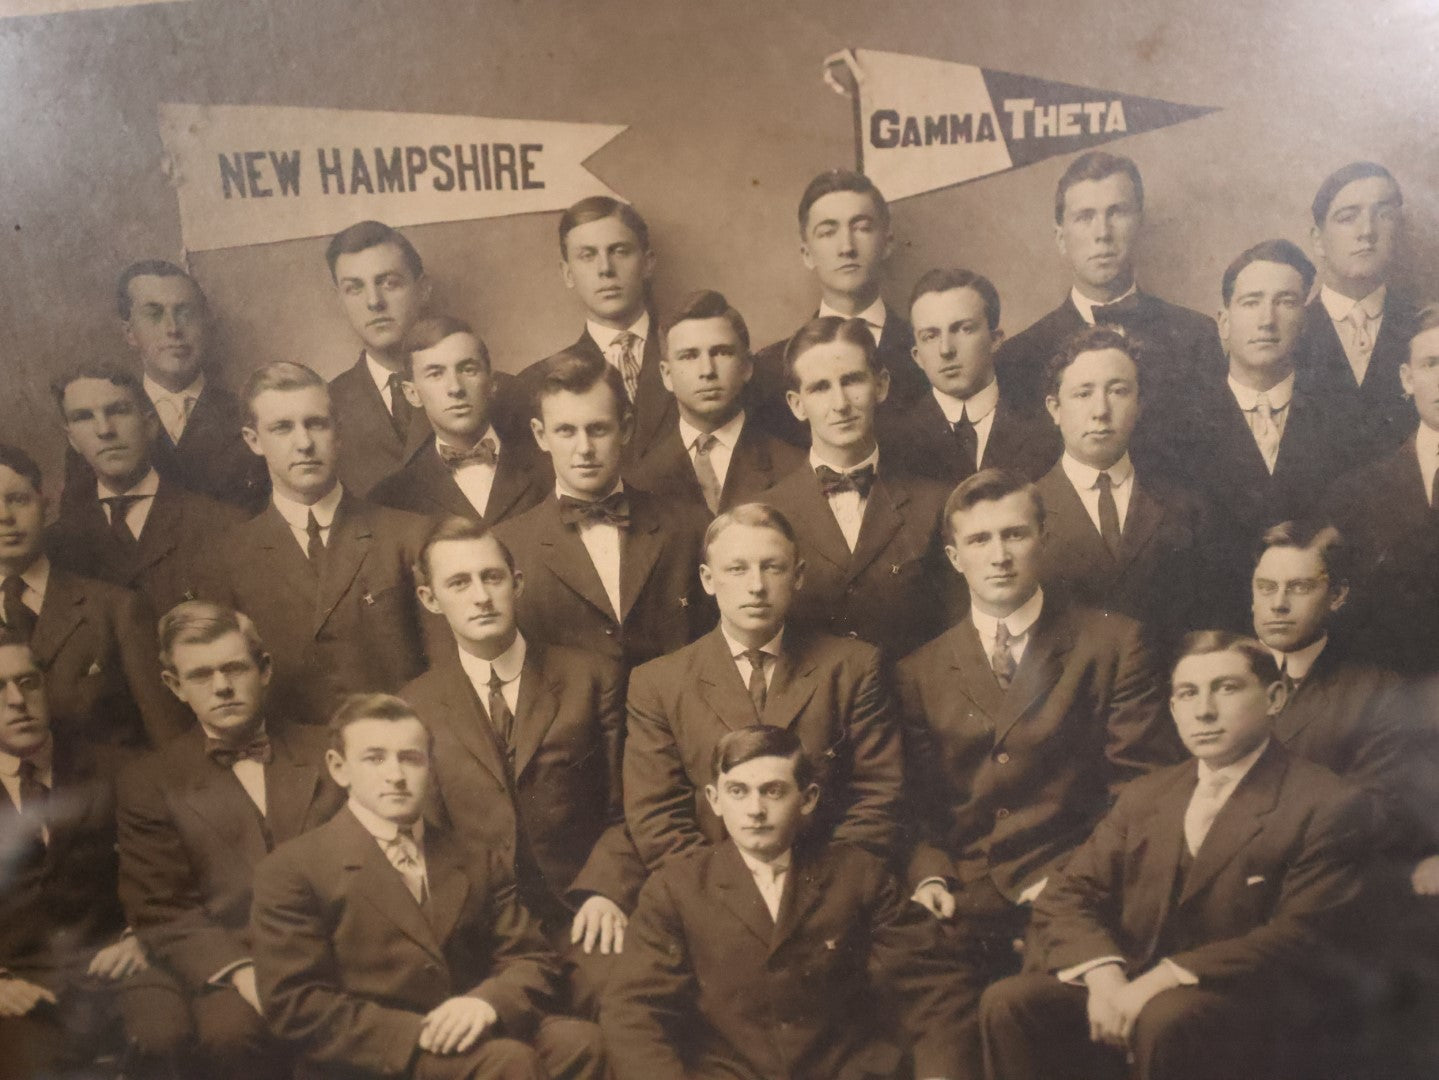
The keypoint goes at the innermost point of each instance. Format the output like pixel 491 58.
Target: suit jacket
pixel 709 985
pixel 355 627
pixel 1386 416
pixel 765 393
pixel 887 591
pixel 210 459
pixel 167 563
pixel 827 690
pixel 57 900
pixel 758 463
pixel 190 839
pixel 425 485
pixel 922 442
pixel 370 448
pixel 1278 873
pixel 554 813
pixel 348 964
pixel 564 601
pixel 96 644
pixel 1006 783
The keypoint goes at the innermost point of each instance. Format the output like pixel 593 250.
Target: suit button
pixel 852 634
pixel 1002 758
pixel 1001 813
pixel 432 968
pixel 610 631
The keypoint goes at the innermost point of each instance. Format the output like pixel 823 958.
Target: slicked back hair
pixel 433 329
pixel 1426 320
pixel 200 622
pixel 456 528
pixel 942 281
pixel 756 515
pixel 22 464
pixel 1341 178
pixel 125 303
pixel 105 371
pixel 758 741
pixel 833 180
pixel 1204 642
pixel 1275 251
pixel 364 235
pixel 1096 165
pixel 597 208
pixel 989 485
pixel 1090 339
pixel 708 304
pixel 279 375
pixel 372 706
pixel 577 373
pixel 824 330
pixel 1318 536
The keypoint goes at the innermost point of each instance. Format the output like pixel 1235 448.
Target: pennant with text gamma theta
pixel 923 124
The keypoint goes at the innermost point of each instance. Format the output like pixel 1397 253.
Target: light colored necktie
pixel 1203 809
pixel 1002 659
pixel 623 356
pixel 175 414
pixel 1359 335
pixel 705 472
pixel 404 855
pixel 1266 430
pixel 758 688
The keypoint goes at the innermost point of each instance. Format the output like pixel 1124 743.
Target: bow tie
pixel 482 453
pixel 226 756
pixel 611 510
pixel 832 483
pixel 1119 312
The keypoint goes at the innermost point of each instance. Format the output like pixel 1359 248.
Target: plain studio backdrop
pixel 727 119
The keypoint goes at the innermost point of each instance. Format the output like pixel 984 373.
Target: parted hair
pixel 822 330
pixel 597 208
pixel 761 740
pixel 124 302
pixel 989 485
pixel 200 622
pixel 456 528
pixel 1090 339
pixel 1318 536
pixel 1204 642
pixel 1096 165
pixel 708 304
pixel 833 180
pixel 756 515
pixel 106 371
pixel 364 235
pixel 21 463
pixel 433 329
pixel 943 280
pixel 1275 251
pixel 577 373
pixel 1426 320
pixel 371 706
pixel 278 375
pixel 1341 178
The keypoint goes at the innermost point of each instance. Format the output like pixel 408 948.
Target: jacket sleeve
pixel 161 712
pixel 925 799
pixel 1077 914
pixel 524 978
pixel 875 768
pixel 659 798
pixel 1141 737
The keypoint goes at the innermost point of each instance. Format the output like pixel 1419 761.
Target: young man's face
pixel 1097 406
pixel 1293 598
pixel 385 767
pixel 1419 375
pixel 608 269
pixel 22 520
pixel 996 547
pixel 110 430
pixel 706 367
pixel 753 574
pixel 382 298
pixel 1261 324
pixel 845 242
pixel 953 343
pixel 167 327
pixel 584 434
pixel 451 381
pixel 294 431
pixel 837 396
pixel 221 681
pixel 1360 234
pixel 1221 708
pixel 1097 231
pixel 761 806
pixel 475 591
pixel 24 712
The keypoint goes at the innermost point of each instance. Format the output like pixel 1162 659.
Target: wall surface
pixel 728 118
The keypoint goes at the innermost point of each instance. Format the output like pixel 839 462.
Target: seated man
pixel 1191 922
pixel 383 948
pixel 758 668
pixel 131 526
pixel 717 455
pixel 466 468
pixel 94 641
pixel 527 751
pixel 774 953
pixel 198 815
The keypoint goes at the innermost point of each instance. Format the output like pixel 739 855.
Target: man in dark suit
pixel 1118 537
pixel 94 641
pixel 963 424
pixel 608 568
pixel 768 955
pixel 1358 328
pixel 844 240
pixel 1186 928
pixel 606 259
pixel 1020 722
pixel 467 468
pixel 197 816
pixel 326 576
pixel 384 948
pixel 527 751
pixel 716 455
pixel 135 528
pixel 868 531
pixel 1098 214
pixel 380 280
pixel 757 668
pixel 168 324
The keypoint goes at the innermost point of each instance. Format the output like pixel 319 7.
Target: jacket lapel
pixel 1295 716
pixel 1239 820
pixel 883 517
pixel 289 789
pixel 437 484
pixel 640 548
pixel 653 403
pixel 537 706
pixel 976 677
pixel 215 795
pixel 814 520
pixel 1160 844
pixel 282 555
pixel 161 534
pixel 350 540
pixel 1145 514
pixel 448 882
pixel 461 714
pixel 382 886
pixel 794 680
pixel 736 890
pixel 1050 641
pixel 512 480
pixel 720 686
pixel 61 612
pixel 806 886
pixel 568 559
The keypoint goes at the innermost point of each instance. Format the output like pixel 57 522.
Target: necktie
pixel 315 543
pixel 1002 660
pixel 857 480
pixel 1117 313
pixel 32 792
pixel 500 715
pixel 1289 681
pixel 404 855
pixel 613 510
pixel 624 356
pixel 482 453
pixel 758 691
pixel 119 507
pixel 1359 334
pixel 1266 430
pixel 967 441
pixel 18 617
pixel 705 472
pixel 1434 493
pixel 1203 809
pixel 400 407
pixel 1108 513
pixel 174 413
pixel 225 755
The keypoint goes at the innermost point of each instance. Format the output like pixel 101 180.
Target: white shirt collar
pixel 37 575
pixel 874 315
pixel 977 406
pixel 770 647
pixel 1086 306
pixel 44 759
pixel 728 434
pixel 1426 442
pixel 815 461
pixel 509 663
pixel 155 392
pixel 604 336
pixel 1339 306
pixel 1017 622
pixel 1235 771
pixel 560 490
pixel 382 830
pixel 1297 664
pixel 489 433
pixel 297 514
pixel 1084 477
pixel 1279 394
pixel 148 487
pixel 379 373
pixel 773 869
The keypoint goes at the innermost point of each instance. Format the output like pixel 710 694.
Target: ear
pixel 648 264
pixel 172 681
pixel 1222 319
pixel 796 406
pixel 887 244
pixel 881 385
pixel 151 423
pixel 996 337
pixel 805 255
pixel 798 575
pixel 665 375
pixel 411 394
pixel 1051 406
pixel 519 576
pixel 339 767
pixel 811 800
pixel 566 275
pixel 1338 598
pixel 267 669
pixel 537 429
pixel 130 338
pixel 951 552
pixel 1277 696
pixel 1059 240
pixel 707 579
pixel 1406 379
pixel 712 797
pixel 425 290
pixel 627 427
pixel 252 440
pixel 426 597
pixel 1316 237
pixel 748 365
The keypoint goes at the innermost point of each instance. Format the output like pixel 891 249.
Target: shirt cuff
pixel 1185 977
pixel 1074 976
pixel 222 977
pixel 935 880
pixel 1031 894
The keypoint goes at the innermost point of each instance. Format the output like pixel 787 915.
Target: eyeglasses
pixel 1297 587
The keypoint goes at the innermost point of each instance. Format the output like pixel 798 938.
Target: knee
pixel 157 1023
pixel 510 1057
pixel 1010 997
pixel 232 1031
pixel 567 1044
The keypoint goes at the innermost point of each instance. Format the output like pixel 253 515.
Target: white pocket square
pixel 94 668
pixel 1254 879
